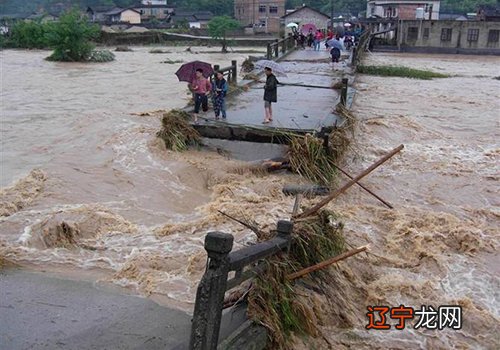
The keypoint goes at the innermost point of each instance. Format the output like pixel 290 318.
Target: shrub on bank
pixel 101 56
pixel 398 71
pixel 29 35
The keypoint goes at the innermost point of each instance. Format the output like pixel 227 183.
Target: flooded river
pixel 439 246
pixel 89 191
pixel 74 152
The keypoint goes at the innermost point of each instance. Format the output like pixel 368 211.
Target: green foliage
pixel 395 71
pixel 101 56
pixel 464 6
pixel 218 8
pixel 226 7
pixel 218 28
pixel 71 37
pixel 30 35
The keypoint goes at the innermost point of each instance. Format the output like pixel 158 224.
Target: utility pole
pixel 331 18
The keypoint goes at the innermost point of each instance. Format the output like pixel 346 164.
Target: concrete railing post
pixel 343 96
pixel 234 74
pixel 285 229
pixel 210 294
pixel 269 54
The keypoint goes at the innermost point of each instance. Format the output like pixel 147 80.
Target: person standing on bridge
pixel 201 87
pixel 219 91
pixel 318 37
pixel 270 94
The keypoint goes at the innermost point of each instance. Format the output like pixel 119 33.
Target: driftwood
pixel 307 86
pixel 344 188
pixel 237 296
pixel 299 84
pixel 363 187
pixel 255 229
pixel 326 263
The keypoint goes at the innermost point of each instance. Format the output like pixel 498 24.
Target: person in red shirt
pixel 317 39
pixel 201 87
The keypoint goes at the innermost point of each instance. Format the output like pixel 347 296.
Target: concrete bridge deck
pixel 299 109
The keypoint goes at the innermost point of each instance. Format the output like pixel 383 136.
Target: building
pixel 452 17
pixel 119 15
pixel 154 2
pixel 260 13
pixel 304 15
pixel 193 19
pixel 158 11
pixel 488 13
pixel 403 9
pixel 450 36
pixel 98 13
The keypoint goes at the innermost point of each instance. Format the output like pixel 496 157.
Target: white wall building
pixel 403 9
pixel 154 2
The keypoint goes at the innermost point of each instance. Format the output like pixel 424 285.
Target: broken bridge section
pixel 306 102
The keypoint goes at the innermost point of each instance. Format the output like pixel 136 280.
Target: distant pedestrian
pixel 329 36
pixel 302 40
pixel 310 38
pixel 270 94
pixel 219 91
pixel 200 86
pixel 335 54
pixel 318 37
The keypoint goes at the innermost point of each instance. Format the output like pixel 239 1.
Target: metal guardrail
pixel 214 283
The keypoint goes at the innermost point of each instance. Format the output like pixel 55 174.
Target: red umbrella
pixel 306 27
pixel 188 70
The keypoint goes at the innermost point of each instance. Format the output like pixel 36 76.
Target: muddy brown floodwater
pixel 89 191
pixel 439 246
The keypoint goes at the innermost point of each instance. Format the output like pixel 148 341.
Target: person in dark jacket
pixel 270 94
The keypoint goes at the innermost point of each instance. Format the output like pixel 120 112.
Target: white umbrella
pixel 276 67
pixel 347 24
pixel 292 25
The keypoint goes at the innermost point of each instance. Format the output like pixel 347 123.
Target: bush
pixel 395 71
pixel 30 35
pixel 71 37
pixel 101 56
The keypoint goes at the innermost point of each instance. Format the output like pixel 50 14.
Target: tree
pixel 218 28
pixel 29 35
pixel 70 38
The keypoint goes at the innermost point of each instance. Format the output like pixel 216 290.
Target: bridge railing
pixel 230 72
pixel 359 51
pixel 280 46
pixel 214 283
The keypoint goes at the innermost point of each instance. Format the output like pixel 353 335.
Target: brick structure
pixel 305 15
pixel 260 13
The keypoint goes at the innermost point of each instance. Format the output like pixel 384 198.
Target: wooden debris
pixel 344 188
pixel 254 228
pixel 326 263
pixel 363 187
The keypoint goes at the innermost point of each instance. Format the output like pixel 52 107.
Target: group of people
pixel 202 88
